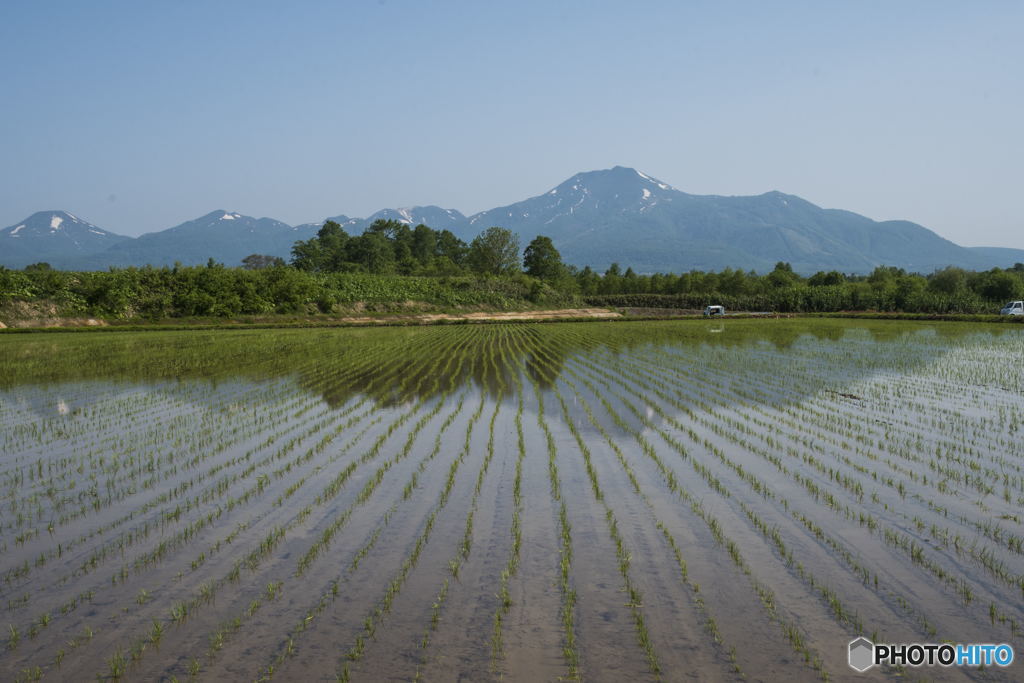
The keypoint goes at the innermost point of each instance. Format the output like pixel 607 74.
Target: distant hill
pixel 56 237
pixel 224 236
pixel 594 218
pixel 999 255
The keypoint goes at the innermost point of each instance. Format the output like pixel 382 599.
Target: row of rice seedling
pixel 963 586
pixel 495 354
pixel 716 485
pixel 163 545
pixel 130 515
pixel 171 503
pixel 906 447
pixel 675 485
pixel 462 552
pixel 815 489
pixel 392 590
pixel 720 485
pixel 337 584
pixel 410 486
pixel 622 552
pixel 644 638
pixel 709 622
pixel 335 485
pixel 936 529
pixel 516 533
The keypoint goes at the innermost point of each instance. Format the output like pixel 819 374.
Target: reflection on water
pixel 396 365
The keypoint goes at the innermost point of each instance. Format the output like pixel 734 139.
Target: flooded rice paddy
pixel 677 500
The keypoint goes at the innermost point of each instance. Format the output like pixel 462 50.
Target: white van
pixel 1013 308
pixel 714 310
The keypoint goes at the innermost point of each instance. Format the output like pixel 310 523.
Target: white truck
pixel 1013 308
pixel 712 311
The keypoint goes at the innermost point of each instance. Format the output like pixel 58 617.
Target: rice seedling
pixel 13 636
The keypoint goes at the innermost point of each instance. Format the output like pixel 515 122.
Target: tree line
pixel 391 247
pixel 886 288
pixel 215 290
pixel 391 263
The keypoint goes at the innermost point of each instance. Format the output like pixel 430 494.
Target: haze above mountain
pixel 594 218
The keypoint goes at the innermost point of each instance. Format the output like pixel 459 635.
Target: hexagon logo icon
pixel 862 653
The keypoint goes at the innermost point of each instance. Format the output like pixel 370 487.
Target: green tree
pixel 823 279
pixel 733 282
pixel 327 252
pixel 542 260
pixel 333 247
pixel 261 261
pixel 372 251
pixel 948 280
pixel 611 283
pixel 1000 286
pixel 884 275
pixel 307 255
pixel 588 281
pixel 391 229
pixel 451 248
pixel 424 244
pixel 405 262
pixel 660 283
pixel 782 276
pixel 633 283
pixel 697 281
pixel 495 251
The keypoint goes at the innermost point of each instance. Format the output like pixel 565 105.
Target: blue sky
pixel 138 116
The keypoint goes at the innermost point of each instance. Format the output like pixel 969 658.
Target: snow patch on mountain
pixel 647 177
pixel 15 231
pixel 55 222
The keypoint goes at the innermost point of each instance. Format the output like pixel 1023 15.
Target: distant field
pixel 705 499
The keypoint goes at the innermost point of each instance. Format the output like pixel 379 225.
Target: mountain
pixel 56 237
pixel 224 236
pixel 625 216
pixel 999 255
pixel 434 216
pixel 594 218
pixel 350 225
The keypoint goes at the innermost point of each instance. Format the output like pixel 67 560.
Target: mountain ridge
pixel 594 218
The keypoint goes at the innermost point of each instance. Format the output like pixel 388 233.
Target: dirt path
pixel 568 313
pixel 285 321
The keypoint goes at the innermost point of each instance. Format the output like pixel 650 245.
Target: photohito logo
pixel 864 654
